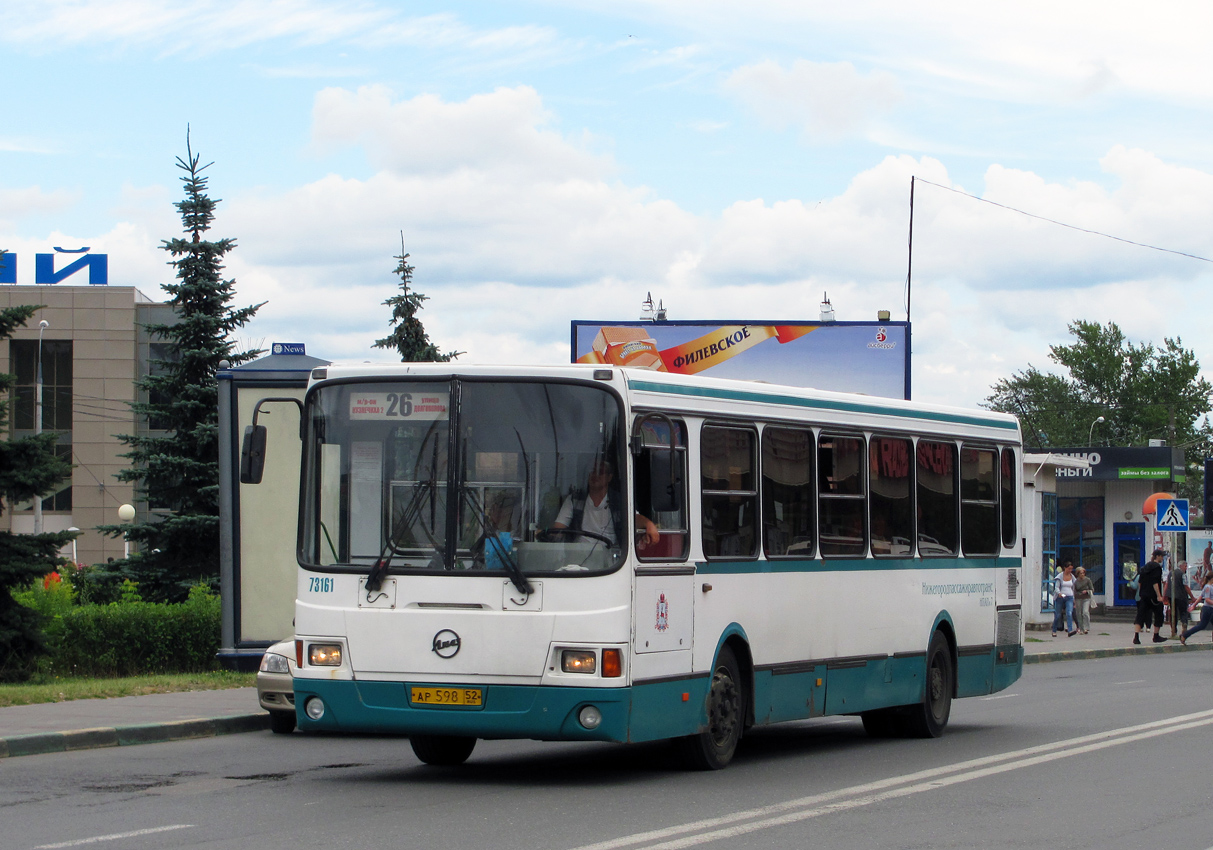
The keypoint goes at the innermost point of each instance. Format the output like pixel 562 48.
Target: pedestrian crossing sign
pixel 1172 515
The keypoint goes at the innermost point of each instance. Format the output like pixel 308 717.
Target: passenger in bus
pixel 596 514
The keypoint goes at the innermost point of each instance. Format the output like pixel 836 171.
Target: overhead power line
pixel 1062 223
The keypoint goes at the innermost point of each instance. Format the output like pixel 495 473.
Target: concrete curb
pixel 125 736
pixel 1150 649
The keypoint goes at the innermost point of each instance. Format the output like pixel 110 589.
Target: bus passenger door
pixel 663 609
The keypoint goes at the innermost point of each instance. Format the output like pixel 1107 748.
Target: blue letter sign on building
pixel 8 268
pixel 98 267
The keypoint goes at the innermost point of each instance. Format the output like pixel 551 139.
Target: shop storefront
pixel 1096 514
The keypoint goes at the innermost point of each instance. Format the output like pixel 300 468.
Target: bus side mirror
pixel 664 485
pixel 252 454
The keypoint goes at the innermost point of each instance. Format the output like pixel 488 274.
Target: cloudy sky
pixel 551 161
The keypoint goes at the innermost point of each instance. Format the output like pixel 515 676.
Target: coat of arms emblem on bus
pixel 663 613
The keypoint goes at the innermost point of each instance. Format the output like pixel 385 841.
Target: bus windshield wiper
pixel 374 579
pixel 491 539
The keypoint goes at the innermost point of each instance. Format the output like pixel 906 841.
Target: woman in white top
pixel 1063 600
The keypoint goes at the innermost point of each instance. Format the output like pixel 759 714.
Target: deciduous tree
pixel 1142 391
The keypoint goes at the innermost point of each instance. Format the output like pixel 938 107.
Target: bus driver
pixel 594 513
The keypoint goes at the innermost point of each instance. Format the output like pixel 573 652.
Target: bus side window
pixel 787 493
pixel 890 497
pixel 1010 534
pixel 842 505
pixel 978 501
pixel 729 489
pixel 652 462
pixel 936 502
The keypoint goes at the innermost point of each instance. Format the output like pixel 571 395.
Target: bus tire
pixel 442 750
pixel 929 719
pixel 713 748
pixel 282 722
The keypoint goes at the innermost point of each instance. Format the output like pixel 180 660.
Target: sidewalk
pixel 93 723
pixel 1106 639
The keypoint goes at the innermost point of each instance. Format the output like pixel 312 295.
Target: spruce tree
pixel 29 468
pixel 408 335
pixel 178 472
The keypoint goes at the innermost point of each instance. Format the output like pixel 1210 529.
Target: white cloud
pixel 516 228
pixel 515 236
pixel 505 130
pixel 32 200
pixel 223 25
pixel 827 100
pixel 1036 48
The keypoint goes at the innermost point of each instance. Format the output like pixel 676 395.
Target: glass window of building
pixel 57 404
pixel 1081 536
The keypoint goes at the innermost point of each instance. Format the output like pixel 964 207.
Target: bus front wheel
pixel 442 750
pixel 713 748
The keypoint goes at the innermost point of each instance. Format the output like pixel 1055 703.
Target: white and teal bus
pixel 581 553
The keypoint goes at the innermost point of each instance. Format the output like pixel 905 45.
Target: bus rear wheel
pixel 929 719
pixel 442 750
pixel 713 748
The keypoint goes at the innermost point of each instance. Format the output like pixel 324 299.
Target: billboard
pixel 856 357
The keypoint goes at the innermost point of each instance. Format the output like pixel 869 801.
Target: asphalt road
pixel 1107 753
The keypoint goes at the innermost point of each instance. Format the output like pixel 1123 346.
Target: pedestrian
pixel 1206 614
pixel 1063 600
pixel 1149 597
pixel 1084 587
pixel 1179 597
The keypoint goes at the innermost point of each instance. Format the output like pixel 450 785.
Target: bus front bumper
pixel 508 711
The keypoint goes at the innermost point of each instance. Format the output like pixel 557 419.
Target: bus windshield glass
pixel 464 476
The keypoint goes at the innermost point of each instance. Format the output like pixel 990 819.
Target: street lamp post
pixel 1091 430
pixel 126 513
pixel 75 560
pixel 42 326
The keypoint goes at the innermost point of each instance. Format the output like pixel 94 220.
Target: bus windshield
pixel 462 476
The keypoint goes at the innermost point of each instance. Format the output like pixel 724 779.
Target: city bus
pixel 588 553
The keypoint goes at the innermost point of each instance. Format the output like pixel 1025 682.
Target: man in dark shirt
pixel 1149 597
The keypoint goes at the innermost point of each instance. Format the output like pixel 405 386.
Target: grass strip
pixel 65 689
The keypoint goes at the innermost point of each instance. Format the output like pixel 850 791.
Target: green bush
pixel 133 638
pixel 51 596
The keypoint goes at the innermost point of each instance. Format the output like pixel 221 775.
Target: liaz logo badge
pixel 663 614
pixel 446 644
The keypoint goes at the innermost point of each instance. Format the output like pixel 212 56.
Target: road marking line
pixel 96 838
pixel 818 804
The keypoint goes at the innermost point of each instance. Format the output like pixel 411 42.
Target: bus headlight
pixel 589 717
pixel 578 661
pixel 314 708
pixel 324 654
